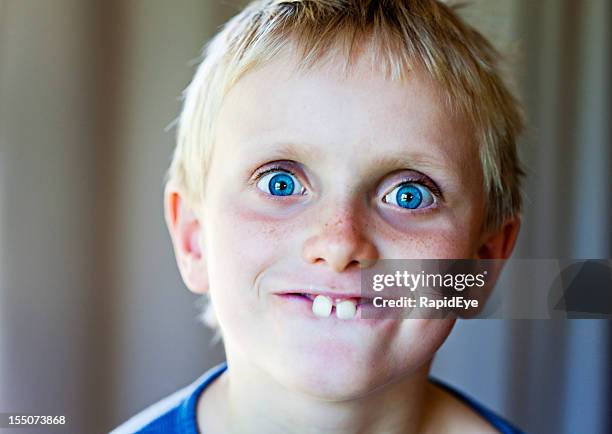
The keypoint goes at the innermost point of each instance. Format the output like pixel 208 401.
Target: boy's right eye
pixel 280 183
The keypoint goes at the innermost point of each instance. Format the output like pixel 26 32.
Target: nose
pixel 341 243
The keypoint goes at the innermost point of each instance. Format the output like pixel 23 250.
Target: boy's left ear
pixel 500 243
pixel 497 244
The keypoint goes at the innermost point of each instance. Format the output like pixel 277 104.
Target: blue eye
pixel 410 195
pixel 280 183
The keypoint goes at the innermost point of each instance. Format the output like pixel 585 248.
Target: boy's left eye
pixel 280 183
pixel 410 195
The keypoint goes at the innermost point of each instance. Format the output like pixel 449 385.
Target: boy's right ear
pixel 186 232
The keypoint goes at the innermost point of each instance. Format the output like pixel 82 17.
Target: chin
pixel 339 378
pixel 335 385
pixel 335 368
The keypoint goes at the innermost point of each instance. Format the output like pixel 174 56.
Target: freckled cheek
pixel 430 245
pixel 439 236
pixel 266 233
pixel 426 241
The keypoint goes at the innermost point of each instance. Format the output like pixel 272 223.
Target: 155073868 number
pixel 15 420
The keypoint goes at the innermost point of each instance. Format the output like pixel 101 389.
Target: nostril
pixel 354 264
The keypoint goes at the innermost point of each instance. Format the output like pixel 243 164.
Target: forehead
pixel 324 111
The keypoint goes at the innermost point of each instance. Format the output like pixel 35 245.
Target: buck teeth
pixel 322 306
pixel 346 309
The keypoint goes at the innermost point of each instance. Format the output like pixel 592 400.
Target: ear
pixel 186 232
pixel 499 244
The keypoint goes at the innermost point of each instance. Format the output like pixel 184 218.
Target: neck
pixel 248 400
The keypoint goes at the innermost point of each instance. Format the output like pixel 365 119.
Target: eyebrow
pixel 399 159
pixel 389 162
pixel 408 160
pixel 291 151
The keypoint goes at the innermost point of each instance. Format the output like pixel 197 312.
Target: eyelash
pixel 423 181
pixel 420 180
pixel 271 169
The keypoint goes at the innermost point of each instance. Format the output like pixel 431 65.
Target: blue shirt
pixel 177 413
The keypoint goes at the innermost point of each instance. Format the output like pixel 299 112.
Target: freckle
pixel 271 230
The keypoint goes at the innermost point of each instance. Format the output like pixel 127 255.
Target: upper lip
pixel 313 282
pixel 331 293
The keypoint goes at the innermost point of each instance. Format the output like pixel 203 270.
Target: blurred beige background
pixel 95 323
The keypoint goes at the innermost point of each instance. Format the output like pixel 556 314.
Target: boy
pixel 317 138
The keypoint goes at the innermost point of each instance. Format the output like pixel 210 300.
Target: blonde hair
pixel 403 34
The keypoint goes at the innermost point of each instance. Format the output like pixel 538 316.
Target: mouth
pixel 328 303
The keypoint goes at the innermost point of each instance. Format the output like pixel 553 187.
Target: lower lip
pixel 299 304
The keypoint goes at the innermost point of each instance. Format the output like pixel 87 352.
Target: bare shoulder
pixel 449 414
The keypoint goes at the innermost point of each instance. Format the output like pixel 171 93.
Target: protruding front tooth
pixel 346 309
pixel 322 306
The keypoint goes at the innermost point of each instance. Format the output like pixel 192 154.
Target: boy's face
pixel 302 191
